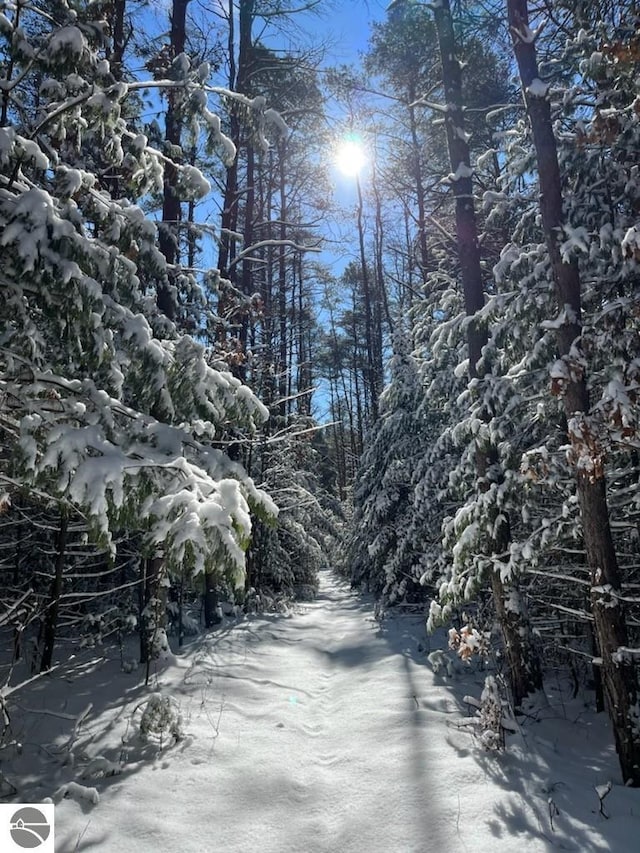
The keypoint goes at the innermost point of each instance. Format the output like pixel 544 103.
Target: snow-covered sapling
pixel 442 663
pixel 469 642
pixel 492 717
pixel 160 718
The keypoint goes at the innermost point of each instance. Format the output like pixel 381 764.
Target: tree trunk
pixel 525 674
pixel 239 76
pixel 372 383
pixel 192 231
pixel 357 438
pixel 51 617
pixel 305 351
pixel 119 38
pixel 283 366
pixel 168 237
pixel 153 613
pixel 420 192
pixel 465 215
pixel 211 616
pixel 382 301
pixel 618 671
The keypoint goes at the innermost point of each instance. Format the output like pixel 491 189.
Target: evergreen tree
pixel 586 454
pixel 111 411
pixel 378 556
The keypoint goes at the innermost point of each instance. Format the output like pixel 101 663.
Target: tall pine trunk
pixel 524 667
pixel 283 361
pixel 373 379
pixel 618 672
pixel 239 78
pixel 418 177
pixel 171 207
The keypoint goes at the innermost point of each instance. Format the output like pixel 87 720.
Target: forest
pixel 221 374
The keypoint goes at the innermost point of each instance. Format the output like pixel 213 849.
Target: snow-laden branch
pixel 527 35
pixel 423 102
pixel 559 576
pixel 262 244
pixel 5 617
pixel 6 690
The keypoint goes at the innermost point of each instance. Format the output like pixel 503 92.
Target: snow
pixel 68 41
pixel 315 730
pixel 462 171
pixel 228 149
pixel 537 88
pixel 577 241
pixel 193 182
pixel 12 145
pixel 274 118
pixel 525 33
pixel 76 792
pixel 631 242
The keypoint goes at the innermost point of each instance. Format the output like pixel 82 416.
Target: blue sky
pixel 342 24
pixel 348 22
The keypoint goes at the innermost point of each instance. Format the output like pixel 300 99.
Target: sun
pixel 350 157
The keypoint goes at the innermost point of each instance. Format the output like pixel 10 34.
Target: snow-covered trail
pixel 323 732
pixel 334 751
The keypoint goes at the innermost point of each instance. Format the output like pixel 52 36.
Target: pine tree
pixel 378 556
pixel 586 453
pixel 109 410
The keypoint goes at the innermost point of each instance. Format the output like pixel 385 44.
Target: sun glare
pixel 350 158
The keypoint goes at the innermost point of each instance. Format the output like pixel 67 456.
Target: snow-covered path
pixel 334 752
pixel 325 732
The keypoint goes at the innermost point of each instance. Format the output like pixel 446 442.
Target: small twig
pixel 219 717
pixel 215 726
pixel 603 791
pixel 80 837
pixel 554 811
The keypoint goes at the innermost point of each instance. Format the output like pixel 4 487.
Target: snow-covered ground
pixel 320 730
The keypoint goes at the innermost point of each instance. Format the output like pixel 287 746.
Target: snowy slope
pixel 314 732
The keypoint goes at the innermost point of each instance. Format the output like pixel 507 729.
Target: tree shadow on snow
pixel 79 724
pixel 546 781
pixel 547 790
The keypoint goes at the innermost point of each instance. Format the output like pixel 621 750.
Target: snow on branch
pixel 8 614
pixel 492 718
pixel 631 243
pixel 423 102
pixel 262 244
pixel 187 495
pixel 538 89
pixel 525 34
pixel 624 654
pixel 75 791
pixel 463 171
